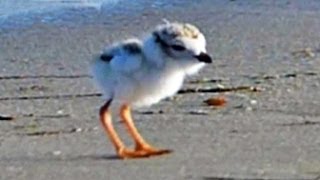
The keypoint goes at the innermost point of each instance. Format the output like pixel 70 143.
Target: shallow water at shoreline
pixel 14 14
pixel 16 7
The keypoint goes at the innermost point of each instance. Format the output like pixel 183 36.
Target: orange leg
pixel 143 149
pixel 105 118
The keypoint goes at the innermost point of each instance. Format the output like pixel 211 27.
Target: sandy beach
pixel 266 64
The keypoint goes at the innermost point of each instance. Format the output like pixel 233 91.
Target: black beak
pixel 203 57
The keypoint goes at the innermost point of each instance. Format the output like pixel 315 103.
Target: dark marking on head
pixel 132 48
pixel 162 44
pixel 106 57
pixel 159 40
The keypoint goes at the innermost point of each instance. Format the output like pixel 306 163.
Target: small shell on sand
pixel 216 101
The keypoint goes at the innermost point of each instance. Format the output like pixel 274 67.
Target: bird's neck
pixel 153 52
pixel 155 55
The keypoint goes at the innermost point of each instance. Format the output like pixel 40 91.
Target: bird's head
pixel 182 41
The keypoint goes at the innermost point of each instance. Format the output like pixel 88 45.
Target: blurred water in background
pixel 18 13
pixel 15 7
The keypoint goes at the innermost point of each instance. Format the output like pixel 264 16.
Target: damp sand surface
pixel 266 66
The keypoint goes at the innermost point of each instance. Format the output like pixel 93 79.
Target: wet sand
pixel 272 133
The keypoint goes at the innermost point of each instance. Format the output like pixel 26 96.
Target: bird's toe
pixel 152 151
pixel 141 153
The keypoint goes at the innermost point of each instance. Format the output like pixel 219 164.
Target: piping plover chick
pixel 142 72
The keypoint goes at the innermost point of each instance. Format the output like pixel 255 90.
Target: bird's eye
pixel 178 47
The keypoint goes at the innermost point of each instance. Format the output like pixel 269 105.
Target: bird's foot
pixel 130 154
pixel 151 151
pixel 144 152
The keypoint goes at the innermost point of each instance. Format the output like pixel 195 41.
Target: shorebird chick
pixel 142 72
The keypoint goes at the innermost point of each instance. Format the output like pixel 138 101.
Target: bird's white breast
pixel 157 86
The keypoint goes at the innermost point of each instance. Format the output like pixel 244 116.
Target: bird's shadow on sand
pixel 66 158
pixel 58 158
pixel 94 157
